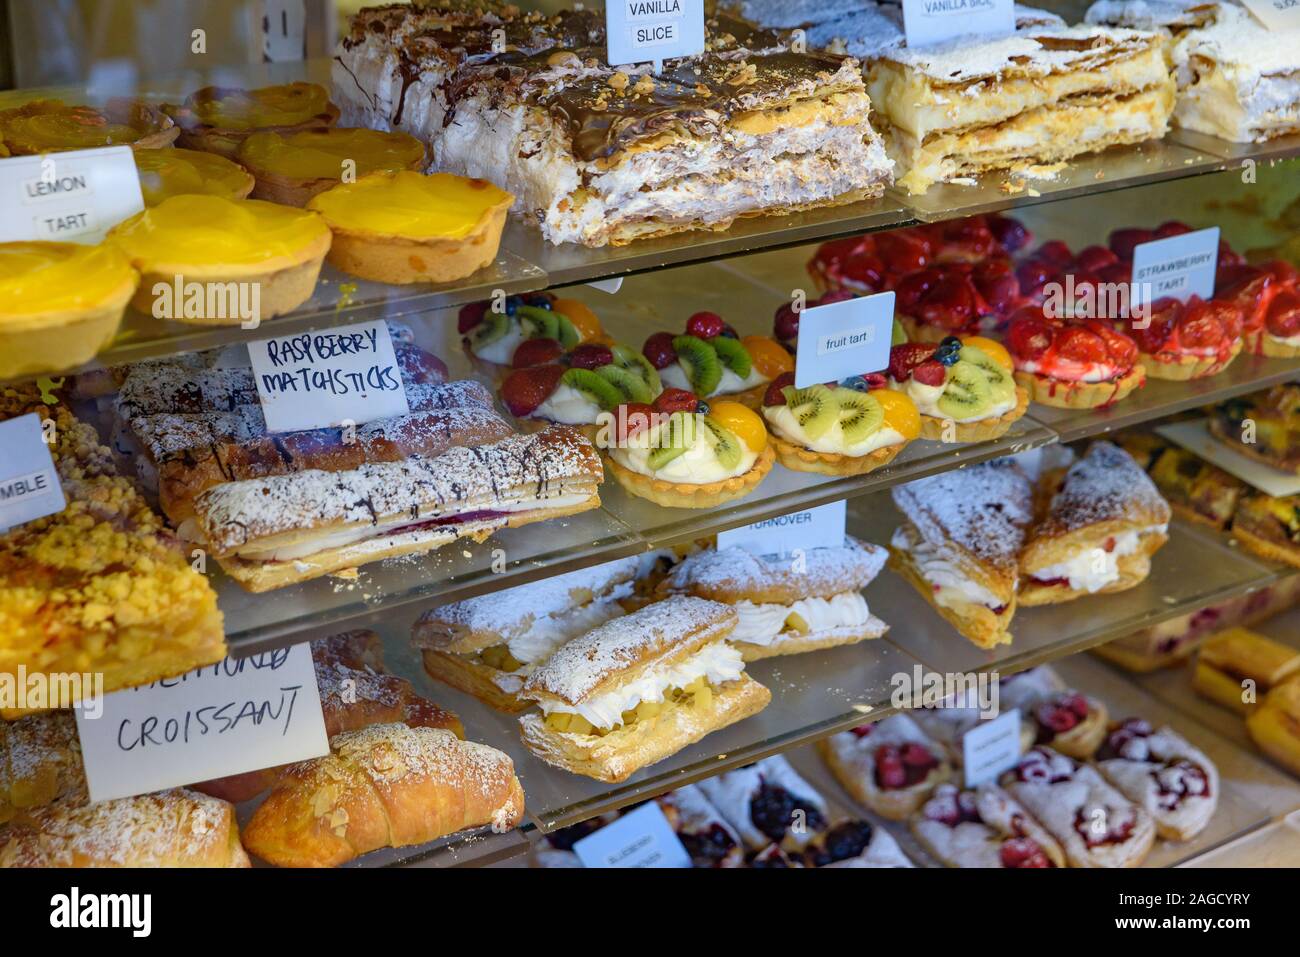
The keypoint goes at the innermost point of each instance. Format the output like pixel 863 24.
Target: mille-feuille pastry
pixel 267 533
pixel 1275 725
pixel 639 688
pixel 219 119
pixel 495 335
pixel 488 646
pixel 1236 668
pixel 291 168
pixel 786 607
pixel 176 828
pixel 959 543
pixel 983 827
pixel 221 243
pixel 578 387
pixel 45 126
pixel 175 172
pixel 383 786
pixel 1095 824
pixel 1079 364
pixel 712 361
pixel 1195 489
pixel 769 803
pixel 889 766
pixel 1163 773
pixel 40 763
pixel 405 227
pixel 963 388
pixel 1105 521
pixel 1067 720
pixel 1264 427
pixel 1270 527
pixel 60 303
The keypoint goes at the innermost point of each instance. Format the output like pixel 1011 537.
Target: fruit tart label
pixel 640 838
pixel 844 339
pixel 1178 267
pixel 641 31
pixel 70 197
pixel 343 376
pixel 29 484
pixel 235 716
pixel 991 747
pixel 1275 14
pixel 937 21
pixel 790 535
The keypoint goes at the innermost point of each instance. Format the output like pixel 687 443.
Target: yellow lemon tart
pixel 218 119
pixel 60 303
pixel 207 260
pixel 165 173
pixel 291 168
pixel 44 126
pixel 404 227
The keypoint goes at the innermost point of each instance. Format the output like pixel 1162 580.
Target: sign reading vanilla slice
pixel 938 21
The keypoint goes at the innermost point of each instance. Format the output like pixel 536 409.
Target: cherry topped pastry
pixel 889 766
pixel 983 827
pixel 1163 773
pixel 1078 364
pixel 1070 722
pixel 1187 340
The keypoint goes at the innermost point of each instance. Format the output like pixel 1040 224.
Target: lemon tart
pixel 291 168
pixel 218 119
pixel 213 241
pixel 60 303
pixel 404 227
pixel 44 126
pixel 175 172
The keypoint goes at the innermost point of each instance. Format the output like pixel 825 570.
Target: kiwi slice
pixel 675 437
pixel 726 446
pixel 1000 380
pixel 700 363
pixel 967 392
pixel 628 358
pixel 595 387
pixel 566 332
pixel 493 327
pixel 861 414
pixel 814 408
pixel 631 385
pixel 538 323
pixel 898 335
pixel 733 355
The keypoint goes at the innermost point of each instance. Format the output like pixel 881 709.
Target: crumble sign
pixel 70 197
pixel 29 483
pixel 640 31
pixel 937 21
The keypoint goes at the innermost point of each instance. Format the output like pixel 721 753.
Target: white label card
pixel 284 30
pixel 643 31
pixel 844 339
pixel 640 838
pixel 784 536
pixel 235 716
pixel 1276 14
pixel 29 483
pixel 937 21
pixel 1178 267
pixel 346 375
pixel 991 747
pixel 71 197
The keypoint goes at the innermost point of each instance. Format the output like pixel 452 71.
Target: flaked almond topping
pixel 645 85
pixel 563 58
pixel 618 81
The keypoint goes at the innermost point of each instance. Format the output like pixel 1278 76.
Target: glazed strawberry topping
pixel 676 400
pixel 943 296
pixel 1283 319
pixel 1010 233
pixel 470 316
pixel 996 281
pixel 536 352
pixel 1095 258
pixel 965 240
pixel 906 356
pixel 1250 289
pixel 590 356
pixel 525 389
pixel 903 767
pixel 1023 852
pixel 1123 241
pixel 1200 327
pixel 1069 351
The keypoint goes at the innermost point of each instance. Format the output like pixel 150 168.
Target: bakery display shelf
pixel 1283 147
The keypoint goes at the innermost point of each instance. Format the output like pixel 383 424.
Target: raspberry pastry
pixel 768 803
pixel 1066 720
pixel 575 388
pixel 1082 364
pixel 983 827
pixel 710 360
pixel 1161 772
pixel 1189 340
pixel 888 766
pixel 493 338
pixel 1095 824
pixel 1271 422
pixel 1105 521
pixel 963 388
pixel 850 428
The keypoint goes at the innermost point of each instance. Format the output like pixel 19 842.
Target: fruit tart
pixel 941 301
pixel 1164 774
pixel 46 126
pixel 1279 337
pixel 851 428
pixel 1191 340
pixel 710 360
pixel 492 338
pixel 963 388
pixel 1270 527
pixel 574 388
pixel 218 119
pixel 983 827
pixel 1264 426
pixel 889 766
pixel 785 323
pixel 685 453
pixel 1072 365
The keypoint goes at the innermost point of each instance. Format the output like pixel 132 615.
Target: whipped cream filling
pixel 762 624
pixel 718 662
pixel 785 425
pixel 547 634
pixel 674 377
pixel 943 573
pixel 502 351
pixel 567 406
pixel 697 465
pixel 926 399
pixel 1095 568
pixel 1074 372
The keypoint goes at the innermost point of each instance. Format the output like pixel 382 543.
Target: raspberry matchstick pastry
pixel 1189 340
pixel 684 453
pixel 851 428
pixel 1095 824
pixel 1104 523
pixel 983 827
pixel 959 543
pixel 218 119
pixel 494 339
pixel 785 610
pixel 963 388
pixel 1067 720
pixel 1160 771
pixel 1072 364
pixel 710 360
pixel 888 766
pixel 575 388
pixel 639 688
pixel 1230 659
pixel 489 645
pixel 1275 725
pixel 1270 420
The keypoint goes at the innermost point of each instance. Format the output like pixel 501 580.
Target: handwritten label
pixel 29 483
pixel 1178 267
pixel 653 30
pixel 843 339
pixel 72 197
pixel 991 747
pixel 797 532
pixel 1276 14
pixel 333 377
pixel 640 838
pixel 235 716
pixel 937 21
pixel 284 30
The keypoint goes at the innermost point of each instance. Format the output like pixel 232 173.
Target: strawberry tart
pixel 1072 365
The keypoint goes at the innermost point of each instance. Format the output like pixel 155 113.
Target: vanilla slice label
pixel 643 31
pixel 68 197
pixel 938 21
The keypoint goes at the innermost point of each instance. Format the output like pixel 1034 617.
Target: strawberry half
pixel 905 357
pixel 536 352
pixel 774 395
pixel 525 389
pixel 676 400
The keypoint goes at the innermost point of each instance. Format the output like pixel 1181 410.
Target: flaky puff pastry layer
pixel 1133 571
pixel 977 623
pixel 468 674
pixel 796 643
pixel 733 574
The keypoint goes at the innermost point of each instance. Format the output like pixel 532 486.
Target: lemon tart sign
pixel 72 197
